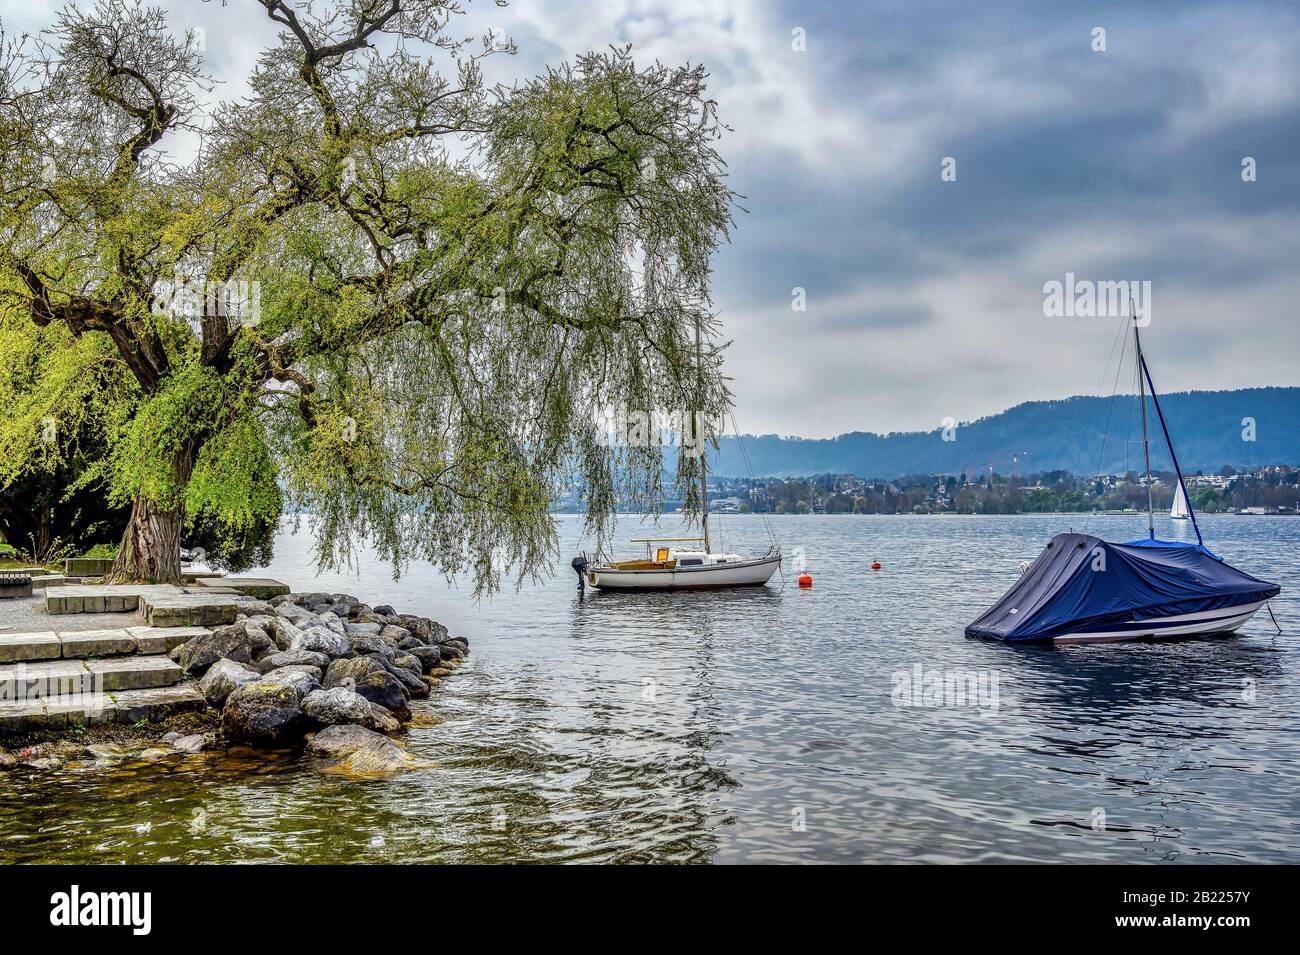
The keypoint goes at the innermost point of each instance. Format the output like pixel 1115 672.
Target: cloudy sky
pixel 925 296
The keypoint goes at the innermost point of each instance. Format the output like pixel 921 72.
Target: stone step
pixel 125 706
pixel 102 598
pixel 263 588
pixel 73 680
pixel 78 644
pixel 87 566
pixel 164 639
pixel 181 609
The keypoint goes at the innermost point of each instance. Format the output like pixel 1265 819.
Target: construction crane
pixel 1007 457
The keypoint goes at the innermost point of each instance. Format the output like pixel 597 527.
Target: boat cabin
pixel 663 552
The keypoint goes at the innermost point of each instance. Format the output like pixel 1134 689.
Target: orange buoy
pixel 805 580
pixel 875 565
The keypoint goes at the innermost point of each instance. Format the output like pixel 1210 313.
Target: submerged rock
pixel 360 752
pixel 194 743
pixel 265 713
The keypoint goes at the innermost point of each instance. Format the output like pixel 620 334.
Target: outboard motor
pixel 579 565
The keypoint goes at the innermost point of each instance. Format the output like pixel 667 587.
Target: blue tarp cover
pixel 1066 590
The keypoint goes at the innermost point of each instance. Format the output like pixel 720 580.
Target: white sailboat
pixel 1179 511
pixel 680 563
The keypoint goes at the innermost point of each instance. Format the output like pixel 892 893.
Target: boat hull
pixel 1204 623
pixel 749 573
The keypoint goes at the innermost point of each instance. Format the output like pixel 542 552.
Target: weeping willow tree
pixel 379 290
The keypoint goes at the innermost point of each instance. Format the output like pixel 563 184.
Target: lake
pixel 765 725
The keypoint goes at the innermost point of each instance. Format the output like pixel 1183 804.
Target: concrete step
pixel 102 598
pixel 181 609
pixel 125 706
pixel 159 605
pixel 80 644
pixel 263 588
pixel 64 680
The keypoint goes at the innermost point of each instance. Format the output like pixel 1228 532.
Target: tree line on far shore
pixel 1055 491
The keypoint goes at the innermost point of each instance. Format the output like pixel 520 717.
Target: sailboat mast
pixel 704 444
pixel 1146 444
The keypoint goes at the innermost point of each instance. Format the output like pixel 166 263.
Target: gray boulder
pixel 364 629
pixel 409 679
pixel 385 610
pixel 302 679
pixel 259 639
pixel 223 678
pixel 430 631
pixel 398 635
pixel 252 607
pixel 331 620
pixel 198 654
pixel 341 705
pixel 348 672
pixel 383 688
pixel 264 713
pixel 408 661
pixel 452 651
pixel 293 613
pixel 322 640
pixel 429 657
pixel 369 643
pixel 290 658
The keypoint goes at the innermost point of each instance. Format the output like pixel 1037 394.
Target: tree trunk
pixel 151 546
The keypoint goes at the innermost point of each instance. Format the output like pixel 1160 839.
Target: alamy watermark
pixel 1084 298
pixel 238 301
pixel 621 427
pixel 27 685
pixel 927 687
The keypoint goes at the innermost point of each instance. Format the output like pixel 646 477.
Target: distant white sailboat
pixel 1179 511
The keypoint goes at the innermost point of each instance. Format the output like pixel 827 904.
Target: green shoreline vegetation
pixel 1267 490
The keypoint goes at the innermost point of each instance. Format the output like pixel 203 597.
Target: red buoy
pixel 805 580
pixel 875 565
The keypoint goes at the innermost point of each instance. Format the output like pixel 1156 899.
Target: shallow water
pixel 760 726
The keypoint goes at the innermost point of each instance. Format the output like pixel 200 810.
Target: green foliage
pixel 165 428
pixel 437 339
pixel 233 501
pixel 100 552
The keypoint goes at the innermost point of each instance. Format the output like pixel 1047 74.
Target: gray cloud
pixel 925 297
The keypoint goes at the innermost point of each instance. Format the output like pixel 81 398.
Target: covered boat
pixel 1083 589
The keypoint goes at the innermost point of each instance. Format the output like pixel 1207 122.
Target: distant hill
pixel 1067 434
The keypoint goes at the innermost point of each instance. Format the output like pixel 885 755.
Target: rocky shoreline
pixel 325 670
